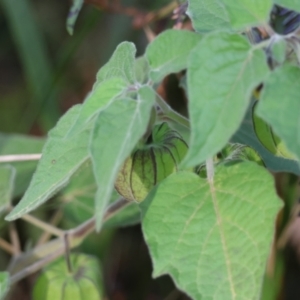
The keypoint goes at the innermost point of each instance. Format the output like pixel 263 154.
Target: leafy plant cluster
pixel 210 224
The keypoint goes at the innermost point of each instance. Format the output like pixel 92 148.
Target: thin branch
pixel 67 253
pixel 149 33
pixel 19 157
pixel 53 222
pixel 34 267
pixel 161 13
pixel 42 225
pixel 7 246
pixel 27 263
pixel 14 237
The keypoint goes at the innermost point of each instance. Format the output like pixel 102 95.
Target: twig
pixel 26 264
pixel 149 33
pixel 67 253
pixel 163 12
pixel 7 246
pixel 34 267
pixel 42 225
pixel 14 237
pixel 19 157
pixel 53 221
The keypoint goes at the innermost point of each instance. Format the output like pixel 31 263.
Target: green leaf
pixel 141 67
pixel 60 160
pixel 7 178
pixel 263 132
pixel 101 96
pixel 244 13
pixel 222 71
pixel 246 136
pixel 120 65
pixel 291 4
pixel 116 133
pixel 269 139
pixel 213 239
pixel 4 284
pixel 208 15
pixel 73 15
pixel 279 105
pixel 11 144
pixel 179 44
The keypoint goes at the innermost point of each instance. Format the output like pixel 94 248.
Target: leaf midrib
pixel 222 236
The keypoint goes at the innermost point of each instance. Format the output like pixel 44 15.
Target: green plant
pixel 211 224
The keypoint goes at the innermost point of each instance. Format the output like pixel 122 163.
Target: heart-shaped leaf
pixel 213 238
pixel 223 69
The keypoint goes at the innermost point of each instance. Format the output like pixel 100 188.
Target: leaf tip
pixel 11 216
pixel 17 212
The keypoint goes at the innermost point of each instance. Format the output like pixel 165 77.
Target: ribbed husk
pixel 56 282
pixel 149 165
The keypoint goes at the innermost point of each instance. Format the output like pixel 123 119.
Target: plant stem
pixel 19 157
pixel 33 268
pixel 149 33
pixel 42 225
pixel 170 113
pixel 27 263
pixel 7 246
pixel 210 170
pixel 67 253
pixel 53 222
pixel 14 237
